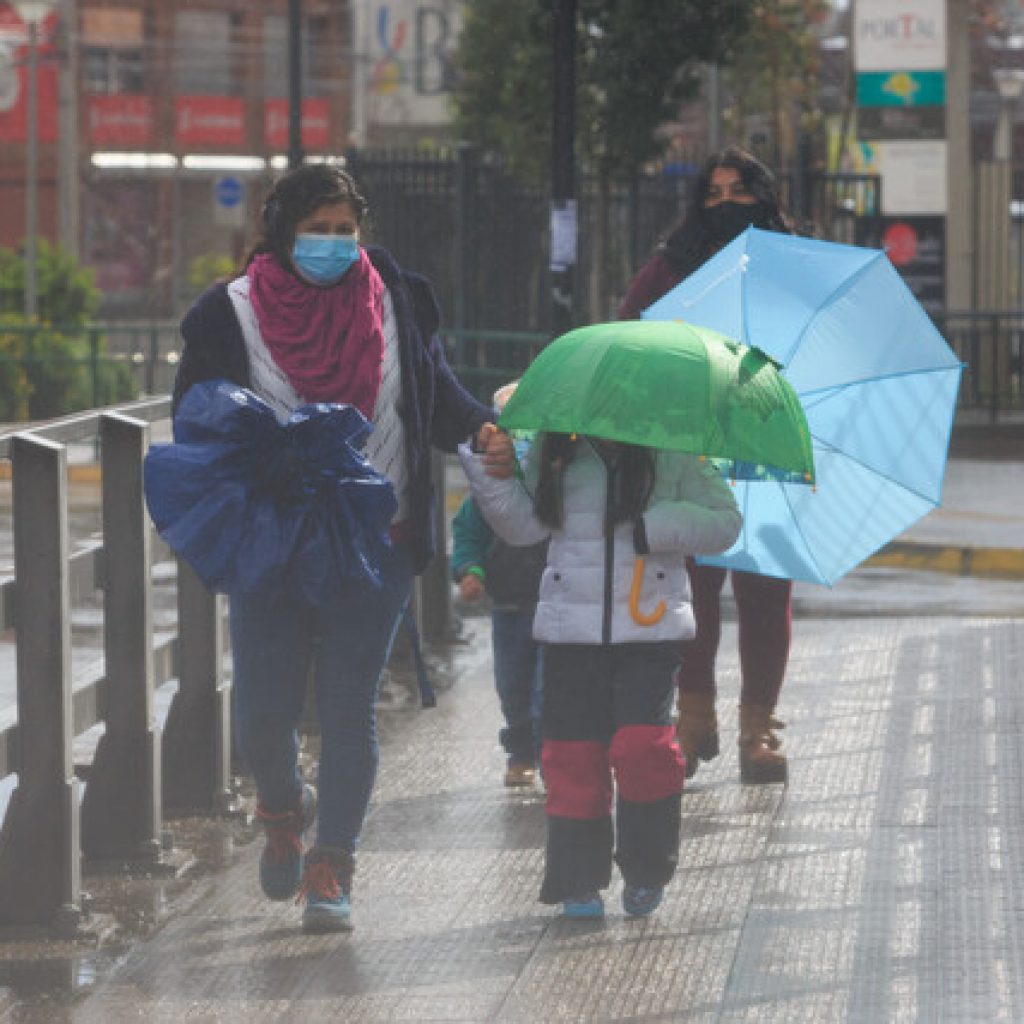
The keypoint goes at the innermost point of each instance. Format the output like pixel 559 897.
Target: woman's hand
pixel 499 456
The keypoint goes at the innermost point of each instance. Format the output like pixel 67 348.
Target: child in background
pixel 614 604
pixel 482 564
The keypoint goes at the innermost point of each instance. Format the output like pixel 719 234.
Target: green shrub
pixel 48 369
pixel 46 372
pixel 66 292
pixel 207 268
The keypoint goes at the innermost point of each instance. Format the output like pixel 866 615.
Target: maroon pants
pixel 764 609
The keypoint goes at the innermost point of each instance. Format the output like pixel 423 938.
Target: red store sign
pixel 14 78
pixel 316 122
pixel 219 120
pixel 120 120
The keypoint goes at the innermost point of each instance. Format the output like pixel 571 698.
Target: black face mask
pixel 726 220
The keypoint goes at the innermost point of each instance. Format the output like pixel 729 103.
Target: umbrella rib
pixel 871 469
pixel 896 374
pixel 799 530
pixel 740 267
pixel 836 292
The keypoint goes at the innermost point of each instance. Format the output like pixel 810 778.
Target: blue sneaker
pixel 589 906
pixel 281 860
pixel 327 890
pixel 640 900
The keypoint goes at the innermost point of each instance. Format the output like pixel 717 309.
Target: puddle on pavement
pixel 53 975
pixel 124 907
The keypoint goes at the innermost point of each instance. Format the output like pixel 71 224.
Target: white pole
pixel 31 174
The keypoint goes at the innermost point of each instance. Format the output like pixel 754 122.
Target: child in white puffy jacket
pixel 614 603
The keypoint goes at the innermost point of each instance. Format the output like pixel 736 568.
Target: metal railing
pixel 991 346
pixel 138 769
pixel 990 343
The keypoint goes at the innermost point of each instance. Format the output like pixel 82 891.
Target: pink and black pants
pixel 607 730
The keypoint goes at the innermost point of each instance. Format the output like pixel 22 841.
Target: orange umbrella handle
pixel 634 599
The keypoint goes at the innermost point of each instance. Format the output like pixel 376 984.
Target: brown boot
pixel 697 729
pixel 761 759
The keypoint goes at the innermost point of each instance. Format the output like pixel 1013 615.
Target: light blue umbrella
pixel 877 381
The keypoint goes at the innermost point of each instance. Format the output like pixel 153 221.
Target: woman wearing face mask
pixel 732 191
pixel 316 317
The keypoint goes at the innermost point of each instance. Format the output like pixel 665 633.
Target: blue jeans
pixel 277 642
pixel 517 678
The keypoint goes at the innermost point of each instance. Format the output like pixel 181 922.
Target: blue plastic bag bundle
pixel 253 504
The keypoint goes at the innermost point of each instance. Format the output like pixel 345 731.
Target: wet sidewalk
pixel 978 530
pixel 886 883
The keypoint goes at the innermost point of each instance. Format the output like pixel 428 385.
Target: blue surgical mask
pixel 324 259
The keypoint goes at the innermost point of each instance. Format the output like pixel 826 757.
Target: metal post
pixel 197 735
pixel 434 585
pixel 40 858
pixel 563 172
pixel 959 216
pixel 67 165
pixel 714 108
pixel 465 194
pixel 360 70
pixel 294 84
pixel 121 811
pixel 31 173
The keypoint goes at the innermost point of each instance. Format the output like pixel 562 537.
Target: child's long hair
pixel 634 480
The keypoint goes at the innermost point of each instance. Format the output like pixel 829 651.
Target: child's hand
pixel 471 588
pixel 499 453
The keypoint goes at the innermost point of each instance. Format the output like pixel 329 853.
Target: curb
pixel 80 473
pixel 952 559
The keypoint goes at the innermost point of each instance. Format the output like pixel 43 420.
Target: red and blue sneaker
pixel 281 860
pixel 327 890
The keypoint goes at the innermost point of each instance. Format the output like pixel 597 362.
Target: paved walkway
pixel 886 883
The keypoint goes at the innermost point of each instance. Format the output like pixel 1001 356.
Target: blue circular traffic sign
pixel 229 192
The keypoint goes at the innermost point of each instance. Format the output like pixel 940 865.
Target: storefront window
pixel 113 60
pixel 202 53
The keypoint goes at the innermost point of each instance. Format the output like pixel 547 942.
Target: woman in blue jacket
pixel 316 317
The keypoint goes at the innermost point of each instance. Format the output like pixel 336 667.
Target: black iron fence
pixel 991 347
pixel 990 344
pixel 482 237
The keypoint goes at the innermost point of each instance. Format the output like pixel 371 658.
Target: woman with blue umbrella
pixel 732 191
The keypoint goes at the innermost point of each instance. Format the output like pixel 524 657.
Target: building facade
pixel 178 118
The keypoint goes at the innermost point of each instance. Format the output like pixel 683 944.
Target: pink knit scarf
pixel 328 342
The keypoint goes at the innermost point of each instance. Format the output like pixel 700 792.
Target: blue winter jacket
pixel 436 409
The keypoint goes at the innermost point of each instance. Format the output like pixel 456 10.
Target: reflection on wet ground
pixel 125 904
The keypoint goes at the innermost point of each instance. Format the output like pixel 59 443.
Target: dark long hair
pixel 690 242
pixel 634 477
pixel 294 197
